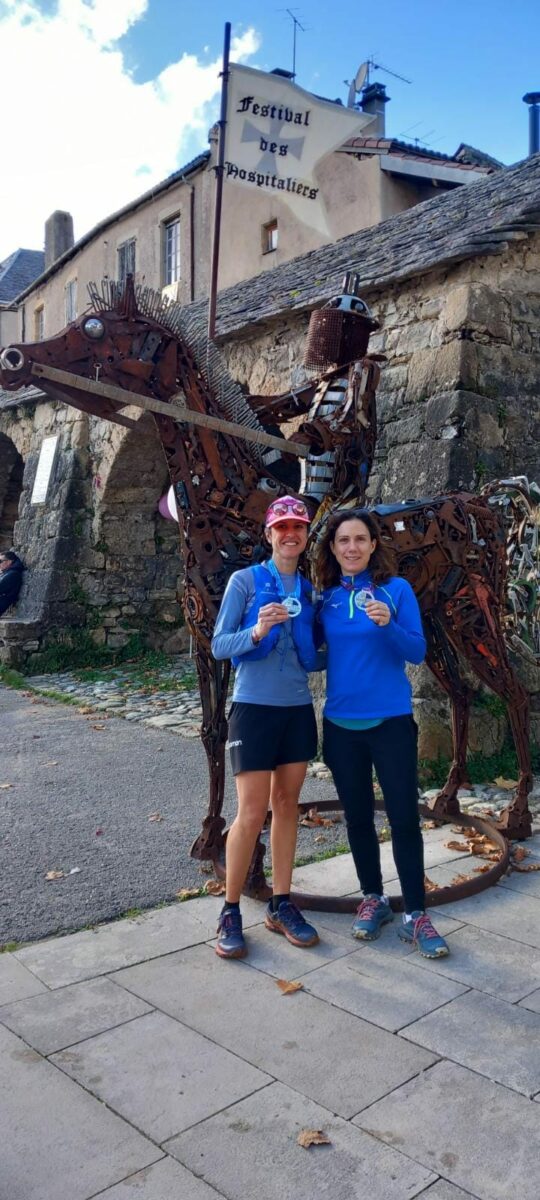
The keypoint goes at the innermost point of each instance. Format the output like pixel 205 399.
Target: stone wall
pixel 102 563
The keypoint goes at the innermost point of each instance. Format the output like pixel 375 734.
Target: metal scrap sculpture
pixel 132 348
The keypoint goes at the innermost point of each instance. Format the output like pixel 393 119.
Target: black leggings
pixel 351 755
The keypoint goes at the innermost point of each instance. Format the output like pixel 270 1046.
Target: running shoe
pixel 371 915
pixel 420 932
pixel 230 943
pixel 289 921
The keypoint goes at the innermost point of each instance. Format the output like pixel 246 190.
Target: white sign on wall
pixel 45 465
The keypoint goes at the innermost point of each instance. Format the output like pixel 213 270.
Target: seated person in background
pixel 11 576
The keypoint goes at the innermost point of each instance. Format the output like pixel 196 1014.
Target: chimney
pixel 533 100
pixel 372 102
pixel 58 236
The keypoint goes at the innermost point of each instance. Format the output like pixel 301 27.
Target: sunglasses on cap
pixel 286 508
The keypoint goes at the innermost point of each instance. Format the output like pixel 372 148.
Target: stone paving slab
pixel 165 1180
pixel 16 981
pixel 500 910
pixel 475 1133
pixel 250 1150
pixel 532 1002
pixel 486 961
pixel 524 881
pixel 64 1016
pixel 441 1191
pixel 106 948
pixel 385 991
pixel 59 1143
pixel 337 876
pixel 488 1035
pixel 244 1011
pixel 159 1075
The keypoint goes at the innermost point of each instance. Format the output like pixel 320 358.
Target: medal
pixel 293 605
pixel 291 602
pixel 363 597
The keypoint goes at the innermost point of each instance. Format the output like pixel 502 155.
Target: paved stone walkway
pixel 136 1064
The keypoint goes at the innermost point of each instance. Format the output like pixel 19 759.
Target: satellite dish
pixel 361 76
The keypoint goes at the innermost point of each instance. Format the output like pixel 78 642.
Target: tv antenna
pixel 296 25
pixel 361 79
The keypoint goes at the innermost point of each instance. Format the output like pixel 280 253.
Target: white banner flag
pixel 277 133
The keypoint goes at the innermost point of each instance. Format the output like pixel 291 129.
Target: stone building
pixel 455 284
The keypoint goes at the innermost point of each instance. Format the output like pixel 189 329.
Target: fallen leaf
pixel 52 763
pixel 320 838
pixel 506 784
pixel 155 816
pixel 312 1137
pixel 187 893
pixel 206 868
pixel 481 870
pixel 287 987
pixel 526 867
pixel 4 786
pixel 459 829
pixel 519 854
pixel 215 887
pixel 54 875
pixel 457 846
pixel 460 879
pixel 84 711
pixel 99 727
pixel 429 885
pixel 430 825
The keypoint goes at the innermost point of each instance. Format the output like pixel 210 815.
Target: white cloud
pixel 79 133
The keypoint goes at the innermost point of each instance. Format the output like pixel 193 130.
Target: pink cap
pixel 286 508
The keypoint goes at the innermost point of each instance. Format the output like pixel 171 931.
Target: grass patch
pixel 432 772
pixel 9 947
pixel 12 679
pixel 319 856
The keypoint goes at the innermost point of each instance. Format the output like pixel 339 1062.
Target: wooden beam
pixel 177 412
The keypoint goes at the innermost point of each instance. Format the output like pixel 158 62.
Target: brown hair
pixel 327 569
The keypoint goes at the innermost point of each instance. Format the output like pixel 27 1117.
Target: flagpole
pixel 219 183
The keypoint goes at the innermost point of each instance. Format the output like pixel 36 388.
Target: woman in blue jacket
pixel 372 626
pixel 265 625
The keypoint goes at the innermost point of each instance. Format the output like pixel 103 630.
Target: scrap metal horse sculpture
pixel 451 548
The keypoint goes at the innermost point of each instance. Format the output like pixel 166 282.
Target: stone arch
pixel 131 583
pixel 11 486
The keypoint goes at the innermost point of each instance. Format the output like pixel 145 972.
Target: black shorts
pixel 265 736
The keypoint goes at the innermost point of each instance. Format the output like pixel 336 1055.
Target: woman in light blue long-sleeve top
pixel 265 625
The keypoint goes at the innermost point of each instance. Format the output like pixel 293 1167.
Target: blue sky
pixel 111 96
pixel 470 61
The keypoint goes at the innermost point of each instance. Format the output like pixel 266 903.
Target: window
pixel 126 260
pixel 269 237
pixel 70 294
pixel 171 251
pixel 39 323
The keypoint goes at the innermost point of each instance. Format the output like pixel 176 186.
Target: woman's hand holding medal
pixel 270 615
pixel 378 612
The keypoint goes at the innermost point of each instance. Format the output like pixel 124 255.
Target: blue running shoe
pixel 371 915
pixel 289 921
pixel 420 932
pixel 230 943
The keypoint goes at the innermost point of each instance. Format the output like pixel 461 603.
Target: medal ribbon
pixel 279 583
